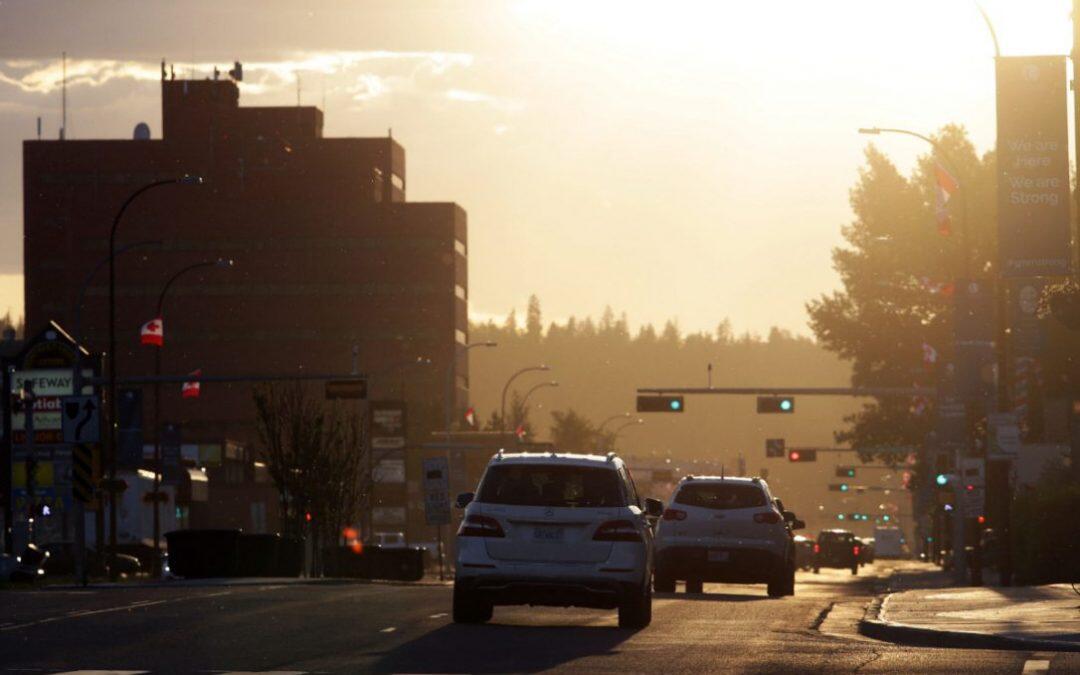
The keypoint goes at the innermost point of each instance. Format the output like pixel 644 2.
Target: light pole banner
pixel 1033 166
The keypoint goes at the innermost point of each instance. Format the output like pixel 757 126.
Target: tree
pixel 517 416
pixel 315 456
pixel 572 431
pixel 534 323
pixel 893 270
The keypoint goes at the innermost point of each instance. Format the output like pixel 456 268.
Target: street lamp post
pixel 506 387
pixel 959 545
pixel 632 423
pixel 183 180
pixel 529 393
pixel 620 416
pixel 156 495
pixel 451 369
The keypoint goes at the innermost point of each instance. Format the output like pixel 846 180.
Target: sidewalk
pixel 992 617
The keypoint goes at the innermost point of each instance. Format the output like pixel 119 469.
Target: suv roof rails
pixel 499 455
pixel 611 456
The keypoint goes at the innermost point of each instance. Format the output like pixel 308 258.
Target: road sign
pixel 1005 435
pixel 81 419
pixel 436 491
pixel 774 447
pixel 387 424
pixel 347 389
pixel 85 473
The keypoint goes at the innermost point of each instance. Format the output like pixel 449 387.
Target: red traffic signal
pixel 802 455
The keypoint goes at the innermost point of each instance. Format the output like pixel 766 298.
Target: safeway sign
pixel 49 387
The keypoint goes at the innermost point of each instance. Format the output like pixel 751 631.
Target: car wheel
pixel 663 583
pixel 636 612
pixel 790 586
pixel 817 570
pixel 695 586
pixel 470 609
pixel 855 569
pixel 777 585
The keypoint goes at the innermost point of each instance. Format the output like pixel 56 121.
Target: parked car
pixel 726 529
pixel 804 552
pixel 866 550
pixel 389 540
pixel 836 548
pixel 555 529
pixel 27 567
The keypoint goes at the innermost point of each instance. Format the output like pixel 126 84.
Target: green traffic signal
pixel 844 487
pixel 941 479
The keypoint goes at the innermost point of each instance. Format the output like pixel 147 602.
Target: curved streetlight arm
pixel 953 166
pixel 506 387
pixel 220 262
pixel 76 310
pixel 611 419
pixel 633 423
pixel 448 391
pixel 529 393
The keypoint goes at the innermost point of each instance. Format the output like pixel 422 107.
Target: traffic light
pixel 775 404
pixel 840 516
pixel 845 471
pixel 942 479
pixel 886 518
pixel 839 487
pixel 802 455
pixel 774 447
pixel 660 404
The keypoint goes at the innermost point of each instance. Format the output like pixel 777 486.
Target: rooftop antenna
pixel 710 375
pixel 721 472
pixel 39 127
pixel 164 73
pixel 63 95
pixel 298 89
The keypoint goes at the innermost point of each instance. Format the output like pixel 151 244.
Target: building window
pixel 459 246
pixel 459 291
pixel 460 336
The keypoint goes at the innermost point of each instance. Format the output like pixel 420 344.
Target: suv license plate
pixel 718 556
pixel 547 533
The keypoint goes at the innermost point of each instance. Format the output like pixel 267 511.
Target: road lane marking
pixel 103 672
pixel 438 616
pixel 1036 666
pixel 90 612
pixel 391 629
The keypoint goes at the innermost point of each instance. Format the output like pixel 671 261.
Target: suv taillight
pixel 480 526
pixel 674 514
pixel 769 517
pixel 617 530
pixel 817 548
pixel 856 550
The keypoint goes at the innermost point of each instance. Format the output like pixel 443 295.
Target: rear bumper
pixel 743 565
pixel 580 592
pixel 842 562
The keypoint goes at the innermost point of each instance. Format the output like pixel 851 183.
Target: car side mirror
pixel 654 508
pixel 464 499
pixel 798 524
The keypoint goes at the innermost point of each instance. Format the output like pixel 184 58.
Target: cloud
pixel 497 102
pixel 46 77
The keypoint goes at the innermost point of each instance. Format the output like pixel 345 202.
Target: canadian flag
pixel 946 188
pixel 191 389
pixel 153 332
pixel 520 432
pixel 470 417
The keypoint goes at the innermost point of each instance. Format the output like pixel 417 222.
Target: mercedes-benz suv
pixel 555 529
pixel 725 529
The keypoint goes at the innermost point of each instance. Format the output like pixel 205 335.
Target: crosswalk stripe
pixel 1036 666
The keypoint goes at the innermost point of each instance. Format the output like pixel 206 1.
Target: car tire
pixel 470 609
pixel 777 585
pixel 790 586
pixel 817 570
pixel 695 586
pixel 855 569
pixel 663 583
pixel 636 612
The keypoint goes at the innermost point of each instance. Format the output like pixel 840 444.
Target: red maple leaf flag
pixel 520 432
pixel 191 389
pixel 153 332
pixel 947 186
pixel 470 417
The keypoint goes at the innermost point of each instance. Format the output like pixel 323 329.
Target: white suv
pixel 555 529
pixel 725 529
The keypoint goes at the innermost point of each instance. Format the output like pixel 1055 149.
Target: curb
pixel 249 581
pixel 873 626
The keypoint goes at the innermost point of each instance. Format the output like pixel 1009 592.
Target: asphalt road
pixel 352 627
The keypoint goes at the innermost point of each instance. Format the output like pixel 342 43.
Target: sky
pixel 676 160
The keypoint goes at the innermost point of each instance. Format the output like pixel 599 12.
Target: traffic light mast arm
pixel 870 392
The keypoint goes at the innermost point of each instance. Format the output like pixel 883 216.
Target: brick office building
pixel 328 254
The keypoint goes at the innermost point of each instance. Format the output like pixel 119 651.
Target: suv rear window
pixel 551 485
pixel 721 496
pixel 834 537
